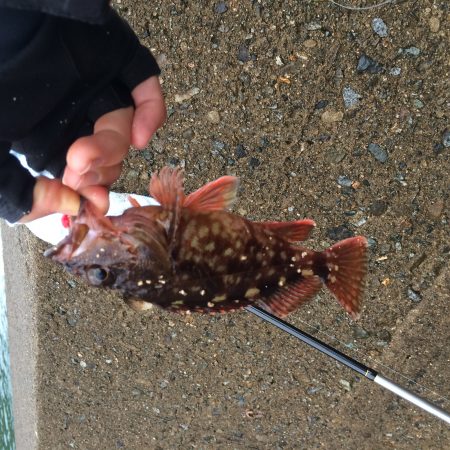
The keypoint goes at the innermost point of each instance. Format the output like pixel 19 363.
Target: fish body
pixel 192 255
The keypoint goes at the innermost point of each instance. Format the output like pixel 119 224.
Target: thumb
pixel 50 196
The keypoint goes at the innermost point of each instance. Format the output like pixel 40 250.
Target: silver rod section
pixel 413 398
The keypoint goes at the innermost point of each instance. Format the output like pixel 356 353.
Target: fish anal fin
pixel 287 299
pixel 214 196
pixel 167 187
pixel 346 263
pixel 295 231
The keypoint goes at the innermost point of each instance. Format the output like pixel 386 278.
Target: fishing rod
pixel 362 369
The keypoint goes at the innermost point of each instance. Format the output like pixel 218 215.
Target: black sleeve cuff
pixel 16 186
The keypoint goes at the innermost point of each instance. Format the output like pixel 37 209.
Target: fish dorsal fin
pixel 292 231
pixel 214 196
pixel 290 297
pixel 167 187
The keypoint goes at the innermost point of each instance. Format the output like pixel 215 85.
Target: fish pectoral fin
pixel 292 296
pixel 295 231
pixel 167 187
pixel 214 196
pixel 133 202
pixel 138 305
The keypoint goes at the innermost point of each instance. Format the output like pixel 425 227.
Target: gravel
pixel 378 152
pixel 351 97
pixel 379 27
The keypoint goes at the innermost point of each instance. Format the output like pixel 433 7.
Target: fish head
pixel 108 252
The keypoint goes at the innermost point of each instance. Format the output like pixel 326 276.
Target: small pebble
pixel 412 51
pixel 254 162
pixel 313 389
pixel 220 8
pixel 360 333
pixel 436 208
pixel 180 98
pixel 83 364
pixel 332 116
pixel 368 64
pixel 188 134
pixel 342 180
pixel 351 97
pixel 414 295
pixel 339 233
pixel 379 153
pixel 378 207
pixel 446 138
pixel 418 103
pixel 321 104
pixel 213 116
pixel 240 151
pixel 310 43
pixel 335 155
pixel 371 242
pixel 346 384
pixel 313 26
pixel 395 71
pixel 243 53
pixel 379 27
pixel 434 24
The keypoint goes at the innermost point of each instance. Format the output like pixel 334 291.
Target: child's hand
pixel 94 162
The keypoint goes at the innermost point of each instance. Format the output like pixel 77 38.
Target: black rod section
pixel 313 342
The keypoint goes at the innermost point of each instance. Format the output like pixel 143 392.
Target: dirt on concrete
pixel 336 115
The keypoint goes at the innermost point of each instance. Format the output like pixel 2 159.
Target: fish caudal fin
pixel 346 264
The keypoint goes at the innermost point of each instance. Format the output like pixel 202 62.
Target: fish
pixel 191 254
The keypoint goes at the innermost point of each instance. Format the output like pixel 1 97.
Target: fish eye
pixel 97 275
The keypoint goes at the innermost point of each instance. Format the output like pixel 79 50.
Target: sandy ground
pixel 270 91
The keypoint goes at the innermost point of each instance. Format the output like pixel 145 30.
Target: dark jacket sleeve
pixel 90 11
pixel 54 88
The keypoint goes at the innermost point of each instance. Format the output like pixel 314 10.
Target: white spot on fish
pixel 336 267
pixel 203 231
pixel 243 258
pixel 215 228
pixel 228 252
pixel 332 278
pixel 182 292
pixel 140 283
pixel 304 254
pixel 307 273
pixel 97 255
pixel 219 298
pixel 293 259
pixel 148 281
pixel 210 304
pixel 251 292
pixel 282 281
pixel 210 246
pixel 102 250
pixel 202 292
pixel 178 302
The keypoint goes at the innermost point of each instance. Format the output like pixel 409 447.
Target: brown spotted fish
pixel 191 255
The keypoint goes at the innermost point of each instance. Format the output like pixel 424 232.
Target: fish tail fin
pixel 346 269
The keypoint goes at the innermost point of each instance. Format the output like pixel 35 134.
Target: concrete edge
pixel 22 334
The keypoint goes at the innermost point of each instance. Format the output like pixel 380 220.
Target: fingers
pixel 50 196
pixel 102 176
pixel 106 147
pixel 150 111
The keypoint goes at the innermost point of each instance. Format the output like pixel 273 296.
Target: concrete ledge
pixel 21 304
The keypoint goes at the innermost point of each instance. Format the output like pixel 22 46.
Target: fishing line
pixel 346 360
pixel 363 8
pixel 360 352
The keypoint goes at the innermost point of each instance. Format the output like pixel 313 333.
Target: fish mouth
pixel 65 249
